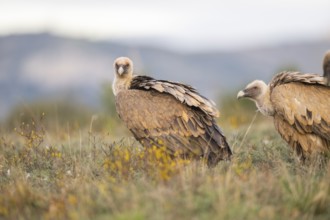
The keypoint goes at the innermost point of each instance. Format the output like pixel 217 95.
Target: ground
pixel 79 173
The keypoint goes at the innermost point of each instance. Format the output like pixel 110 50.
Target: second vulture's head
pixel 258 92
pixel 123 67
pixel 254 91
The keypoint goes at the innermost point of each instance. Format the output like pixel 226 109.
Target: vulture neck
pixel 264 104
pixel 121 83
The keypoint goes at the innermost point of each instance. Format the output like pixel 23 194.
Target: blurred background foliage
pixel 64 112
pixel 58 113
pixel 235 113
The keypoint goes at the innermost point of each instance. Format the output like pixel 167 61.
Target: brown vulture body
pixel 168 114
pixel 299 104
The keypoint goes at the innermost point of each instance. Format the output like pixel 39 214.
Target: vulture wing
pixel 161 119
pixel 302 114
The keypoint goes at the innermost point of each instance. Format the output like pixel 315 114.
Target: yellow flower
pixel 72 199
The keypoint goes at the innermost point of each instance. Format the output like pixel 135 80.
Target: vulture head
pixel 326 67
pixel 123 68
pixel 258 91
pixel 254 91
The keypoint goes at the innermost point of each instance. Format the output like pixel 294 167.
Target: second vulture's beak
pixel 240 94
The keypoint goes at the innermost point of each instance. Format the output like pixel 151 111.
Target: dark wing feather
pixel 300 142
pixel 184 93
pixel 289 77
pixel 303 114
pixel 159 119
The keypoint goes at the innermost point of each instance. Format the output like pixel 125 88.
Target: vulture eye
pixel 117 66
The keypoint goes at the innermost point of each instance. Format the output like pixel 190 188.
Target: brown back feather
pixel 184 93
pixel 289 77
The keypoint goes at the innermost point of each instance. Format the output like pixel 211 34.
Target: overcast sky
pixel 185 24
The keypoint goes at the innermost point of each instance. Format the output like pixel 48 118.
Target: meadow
pixel 54 168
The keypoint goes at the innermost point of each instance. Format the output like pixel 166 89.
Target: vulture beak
pixel 120 70
pixel 240 94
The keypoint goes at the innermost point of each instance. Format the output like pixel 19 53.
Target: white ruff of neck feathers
pixel 264 103
pixel 121 83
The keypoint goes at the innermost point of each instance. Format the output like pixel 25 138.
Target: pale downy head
pixel 123 67
pixel 253 90
pixel 258 92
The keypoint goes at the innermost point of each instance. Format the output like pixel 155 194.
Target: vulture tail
pixel 222 152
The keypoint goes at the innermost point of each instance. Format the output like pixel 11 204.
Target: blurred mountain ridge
pixel 34 66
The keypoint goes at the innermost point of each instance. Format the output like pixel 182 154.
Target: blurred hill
pixel 44 66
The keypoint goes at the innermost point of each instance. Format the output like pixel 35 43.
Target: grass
pixel 81 174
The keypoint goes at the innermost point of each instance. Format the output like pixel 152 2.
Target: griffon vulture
pixel 168 114
pixel 326 67
pixel 299 104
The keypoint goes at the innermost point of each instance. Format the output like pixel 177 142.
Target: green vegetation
pixel 88 168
